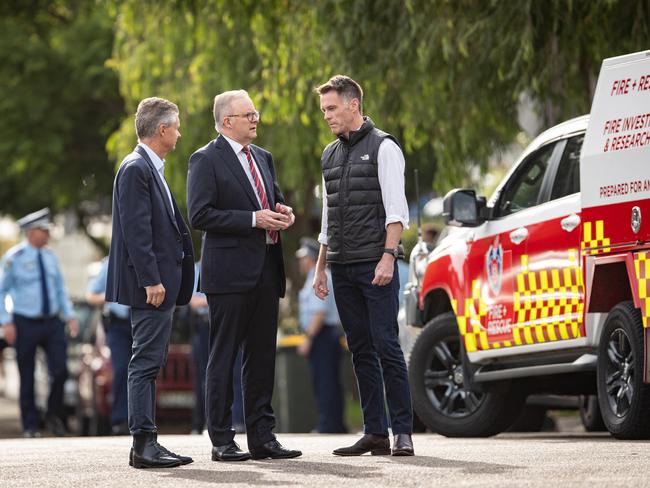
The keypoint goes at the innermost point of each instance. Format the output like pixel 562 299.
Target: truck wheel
pixel 623 397
pixel 590 415
pixel 440 397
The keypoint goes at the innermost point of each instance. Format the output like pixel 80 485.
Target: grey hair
pixel 151 113
pixel 222 105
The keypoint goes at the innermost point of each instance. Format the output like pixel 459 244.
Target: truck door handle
pixel 518 236
pixel 571 222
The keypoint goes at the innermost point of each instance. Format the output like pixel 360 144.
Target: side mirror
pixel 462 208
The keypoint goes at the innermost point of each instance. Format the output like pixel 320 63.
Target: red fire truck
pixel 543 288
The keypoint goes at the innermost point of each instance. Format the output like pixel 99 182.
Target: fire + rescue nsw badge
pixel 494 266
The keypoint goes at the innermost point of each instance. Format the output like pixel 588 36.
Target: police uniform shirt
pixel 21 280
pixel 202 311
pixel 310 304
pixel 98 285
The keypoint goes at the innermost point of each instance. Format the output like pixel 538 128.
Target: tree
pixel 446 77
pixel 60 104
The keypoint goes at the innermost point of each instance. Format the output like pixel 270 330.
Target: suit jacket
pixel 151 243
pixel 220 201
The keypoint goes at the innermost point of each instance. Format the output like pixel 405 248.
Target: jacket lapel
pixel 232 163
pixel 161 186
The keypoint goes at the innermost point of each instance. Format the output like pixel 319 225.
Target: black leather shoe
pixel 274 450
pixel 55 425
pixel 403 445
pixel 229 452
pixel 31 434
pixel 147 453
pixel 183 459
pixel 376 445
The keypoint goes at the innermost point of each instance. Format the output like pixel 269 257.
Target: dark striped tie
pixel 259 187
pixel 45 310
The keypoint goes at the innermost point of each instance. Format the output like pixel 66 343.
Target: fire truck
pixel 543 287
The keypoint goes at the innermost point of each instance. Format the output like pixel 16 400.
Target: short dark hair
pixel 345 86
pixel 151 113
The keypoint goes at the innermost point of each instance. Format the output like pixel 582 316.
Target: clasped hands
pixel 281 219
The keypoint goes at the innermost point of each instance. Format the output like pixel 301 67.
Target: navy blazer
pixel 220 202
pixel 151 243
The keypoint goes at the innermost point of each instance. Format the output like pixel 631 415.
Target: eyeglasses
pixel 251 116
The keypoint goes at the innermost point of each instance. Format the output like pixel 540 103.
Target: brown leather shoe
pixel 403 445
pixel 376 445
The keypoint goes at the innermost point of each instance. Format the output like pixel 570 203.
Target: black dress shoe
pixel 31 434
pixel 229 452
pixel 403 445
pixel 274 450
pixel 182 459
pixel 147 453
pixel 55 426
pixel 376 445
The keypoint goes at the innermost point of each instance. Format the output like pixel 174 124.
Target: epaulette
pixel 12 254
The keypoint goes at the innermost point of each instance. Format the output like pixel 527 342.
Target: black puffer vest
pixel 355 211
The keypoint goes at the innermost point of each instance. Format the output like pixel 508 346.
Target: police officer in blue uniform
pixel 116 319
pixel 32 278
pixel 319 320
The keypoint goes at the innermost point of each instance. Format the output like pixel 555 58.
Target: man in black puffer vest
pixel 364 213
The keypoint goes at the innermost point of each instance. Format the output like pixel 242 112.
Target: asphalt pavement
pixel 510 460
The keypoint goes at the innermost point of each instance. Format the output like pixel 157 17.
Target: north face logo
pixel 365 157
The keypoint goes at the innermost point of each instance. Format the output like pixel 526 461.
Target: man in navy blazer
pixel 150 269
pixel 234 198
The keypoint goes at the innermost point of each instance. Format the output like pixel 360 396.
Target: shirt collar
pixel 237 147
pixel 158 163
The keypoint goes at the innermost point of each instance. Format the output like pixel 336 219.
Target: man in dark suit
pixel 150 269
pixel 234 198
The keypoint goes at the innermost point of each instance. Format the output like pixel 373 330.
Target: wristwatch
pixel 393 251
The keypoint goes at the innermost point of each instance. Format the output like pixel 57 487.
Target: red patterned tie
pixel 259 187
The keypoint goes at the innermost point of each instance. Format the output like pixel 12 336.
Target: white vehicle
pixel 544 289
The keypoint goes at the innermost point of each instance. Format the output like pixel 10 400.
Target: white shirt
pixel 243 160
pixel 390 172
pixel 159 164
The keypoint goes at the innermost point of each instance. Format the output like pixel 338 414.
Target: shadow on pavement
pixel 297 467
pixel 467 467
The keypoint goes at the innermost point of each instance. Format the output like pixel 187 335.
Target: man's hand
pixel 73 327
pixel 270 220
pixel 320 284
pixel 286 210
pixel 304 347
pixel 10 333
pixel 155 294
pixel 384 270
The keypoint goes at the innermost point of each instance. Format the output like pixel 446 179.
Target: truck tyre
pixel 623 397
pixel 440 397
pixel 590 415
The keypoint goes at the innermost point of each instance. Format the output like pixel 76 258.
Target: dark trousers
pixel 151 332
pixel 200 354
pixel 325 362
pixel 249 320
pixel 369 317
pixel 50 335
pixel 120 342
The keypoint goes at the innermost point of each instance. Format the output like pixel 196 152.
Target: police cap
pixel 308 247
pixel 36 220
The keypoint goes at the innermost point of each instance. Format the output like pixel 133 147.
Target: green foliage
pixel 444 76
pixel 59 105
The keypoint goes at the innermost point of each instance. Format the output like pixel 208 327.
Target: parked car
pixel 543 289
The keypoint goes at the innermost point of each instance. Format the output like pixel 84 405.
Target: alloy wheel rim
pixel 620 371
pixel 444 382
